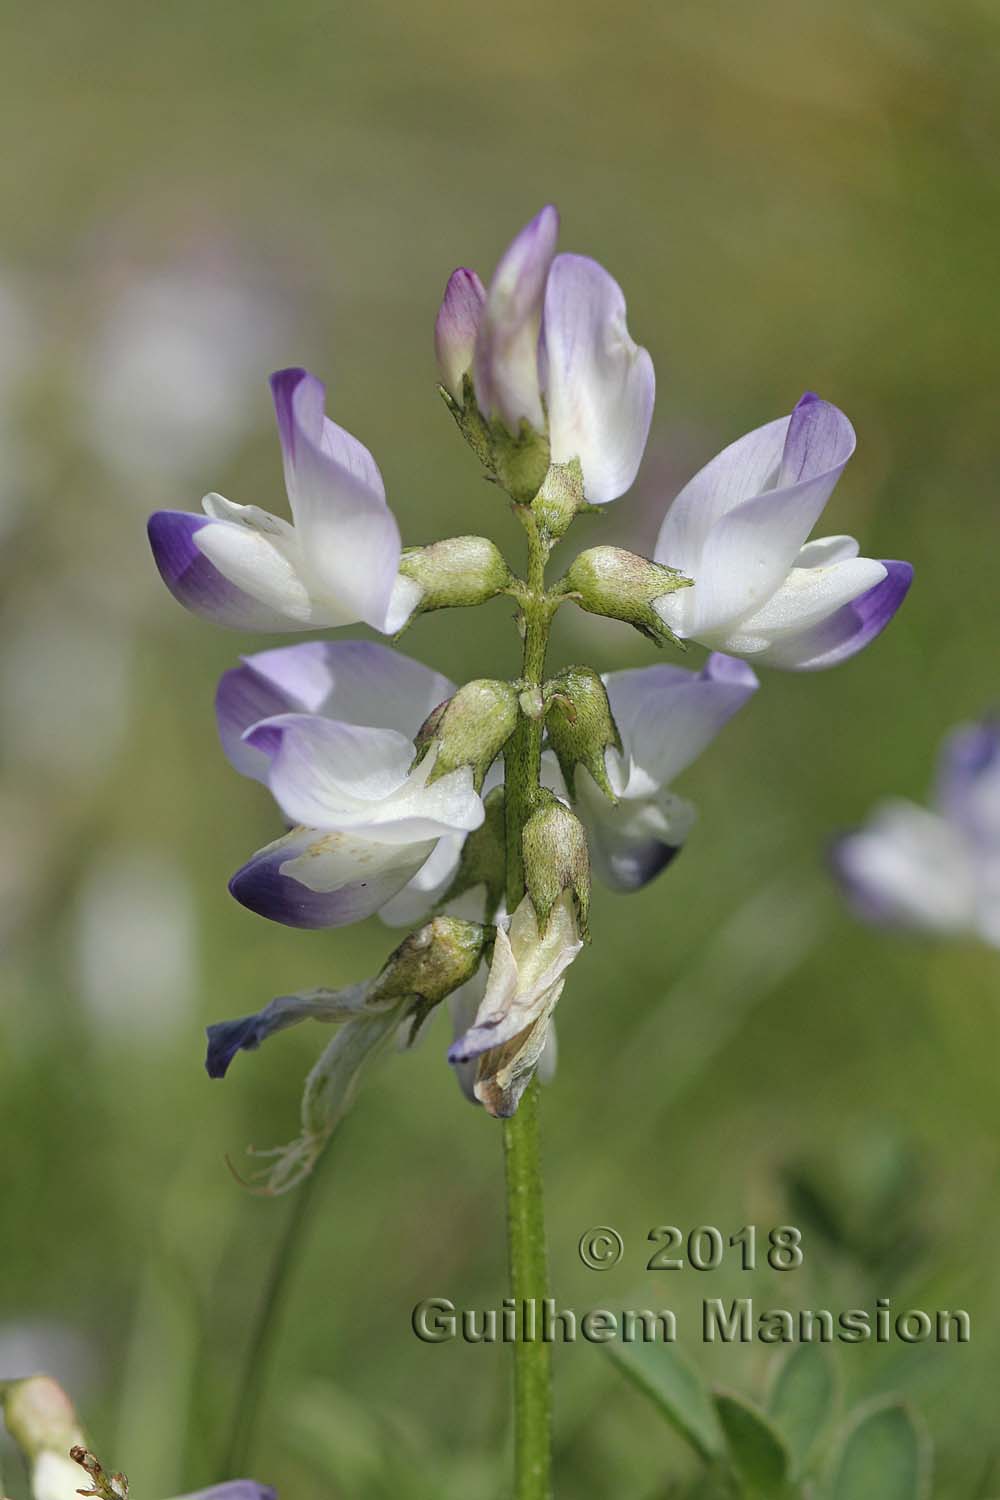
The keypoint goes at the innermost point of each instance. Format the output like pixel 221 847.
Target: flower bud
pixel 455 329
pixel 556 859
pixel 464 570
pixel 43 1423
pixel 469 730
pixel 482 863
pixel 623 586
pixel 430 963
pixel 560 498
pixel 581 726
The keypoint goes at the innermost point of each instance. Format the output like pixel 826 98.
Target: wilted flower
pixel 937 869
pixel 666 717
pixel 428 966
pixel 330 727
pixel 739 529
pixel 548 346
pixel 337 564
pixel 526 978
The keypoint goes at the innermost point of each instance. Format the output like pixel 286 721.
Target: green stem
pixel 525 1207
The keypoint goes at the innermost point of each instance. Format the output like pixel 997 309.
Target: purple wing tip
pixel 171 536
pixel 225 1039
pixel 262 889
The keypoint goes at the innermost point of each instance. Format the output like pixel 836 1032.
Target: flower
pixel 547 345
pixel 934 870
pixel 526 979
pixel 739 530
pixel 337 564
pixel 330 727
pixel 666 717
pixel 440 959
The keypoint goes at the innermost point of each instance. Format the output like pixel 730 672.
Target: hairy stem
pixel 525 1208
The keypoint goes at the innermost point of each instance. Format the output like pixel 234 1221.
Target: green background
pixel 793 196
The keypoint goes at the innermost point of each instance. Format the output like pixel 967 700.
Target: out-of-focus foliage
pixel 794 196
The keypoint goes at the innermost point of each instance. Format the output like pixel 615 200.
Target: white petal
pixel 599 383
pixel 807 596
pixel 909 867
pixel 258 553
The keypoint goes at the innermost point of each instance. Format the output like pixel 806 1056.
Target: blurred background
pixel 793 196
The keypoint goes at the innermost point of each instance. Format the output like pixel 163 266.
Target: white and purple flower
pixel 329 727
pixel 548 345
pixel 666 717
pixel 740 531
pixel 934 870
pixel 336 565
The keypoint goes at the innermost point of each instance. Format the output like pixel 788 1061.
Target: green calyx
pixel 556 859
pixel 560 498
pixel 461 571
pixel 518 461
pixel 624 586
pixel 580 725
pixel 430 963
pixel 483 861
pixel 469 730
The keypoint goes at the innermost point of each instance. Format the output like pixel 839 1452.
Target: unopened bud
pixel 463 570
pixel 560 498
pixel 556 859
pixel 581 726
pixel 470 729
pixel 622 585
pixel 483 861
pixel 430 963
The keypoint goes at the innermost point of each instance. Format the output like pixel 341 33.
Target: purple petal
pixel 226 1038
pixel 968 780
pixel 246 1033
pixel 668 716
pixel 234 1489
pixel 195 582
pixel 456 327
pixel 848 631
pixel 363 877
pixel 506 357
pixel 357 682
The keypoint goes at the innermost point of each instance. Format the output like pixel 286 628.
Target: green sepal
pixel 622 586
pixel 470 421
pixel 483 861
pixel 560 498
pixel 469 729
pixel 458 572
pixel 581 726
pixel 428 964
pixel 556 859
pixel 520 460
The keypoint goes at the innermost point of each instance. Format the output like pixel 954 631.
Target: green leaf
pixel 883 1454
pixel 676 1387
pixel 757 1451
pixel 802 1399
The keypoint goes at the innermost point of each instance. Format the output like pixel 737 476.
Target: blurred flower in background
pixel 936 869
pixel 178 348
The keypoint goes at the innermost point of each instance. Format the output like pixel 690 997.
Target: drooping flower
pixel 329 727
pixel 665 717
pixel 431 964
pixel 548 345
pixel 739 529
pixel 335 565
pixel 934 870
pixel 526 978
